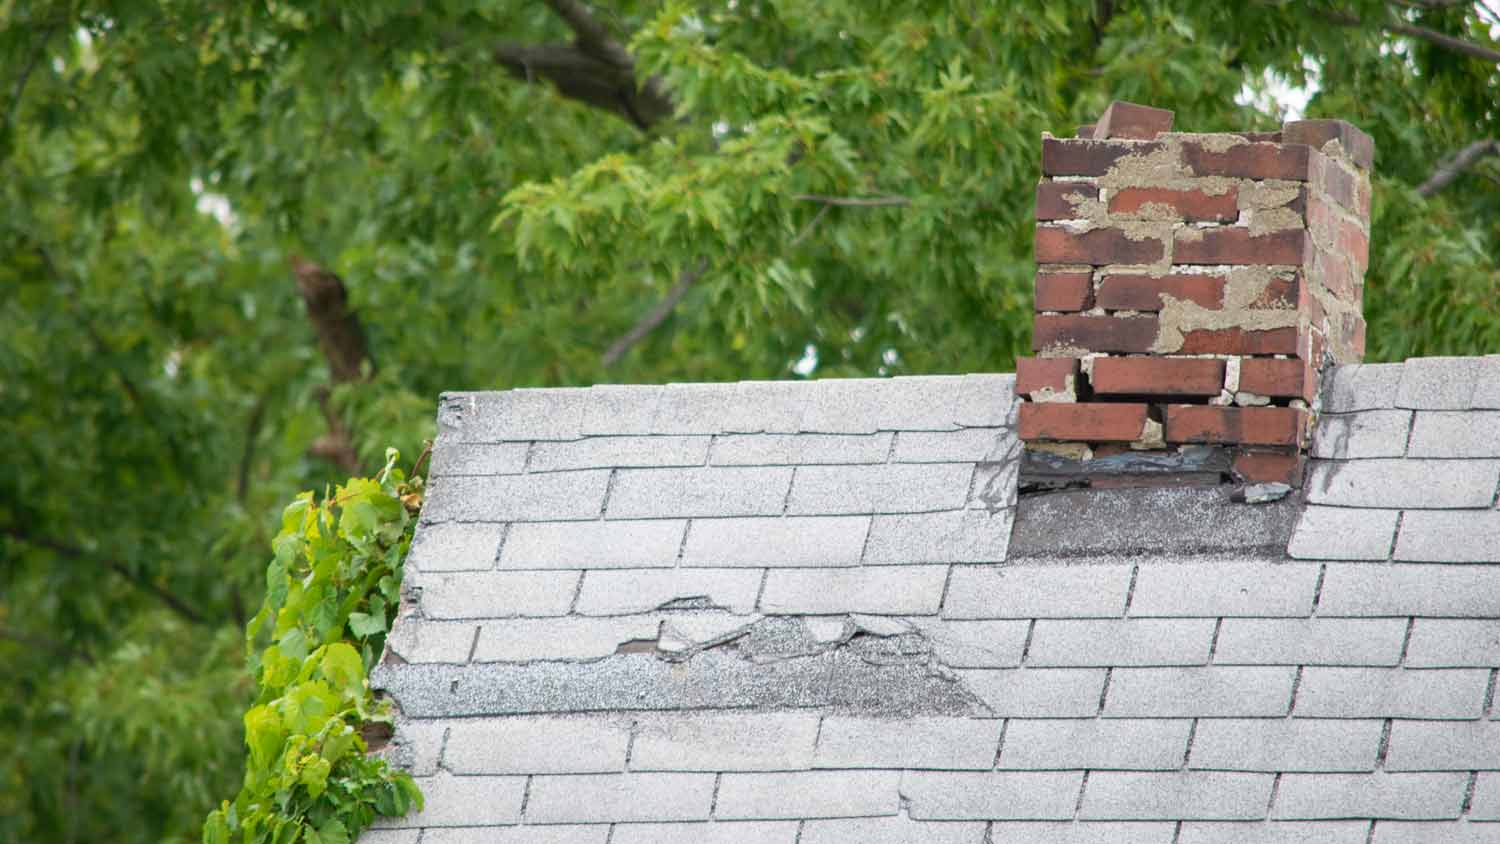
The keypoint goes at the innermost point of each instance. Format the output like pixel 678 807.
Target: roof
pixel 815 612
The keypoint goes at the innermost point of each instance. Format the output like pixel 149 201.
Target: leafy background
pixel 509 191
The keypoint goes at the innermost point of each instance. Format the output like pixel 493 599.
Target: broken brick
pixel 1057 245
pixel 1185 204
pixel 1289 378
pixel 1084 157
pixel 1196 423
pixel 1033 374
pixel 1082 422
pixel 1143 292
pixel 1052 202
pixel 1094 333
pixel 1130 120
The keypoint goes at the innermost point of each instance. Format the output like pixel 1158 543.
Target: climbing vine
pixel 331 591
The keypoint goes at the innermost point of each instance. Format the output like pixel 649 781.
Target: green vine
pixel 331 592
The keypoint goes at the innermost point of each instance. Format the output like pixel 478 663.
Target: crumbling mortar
pixel 1243 287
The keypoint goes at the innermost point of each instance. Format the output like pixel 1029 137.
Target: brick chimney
pixel 1190 289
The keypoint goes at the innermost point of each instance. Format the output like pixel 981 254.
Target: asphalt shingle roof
pixel 778 613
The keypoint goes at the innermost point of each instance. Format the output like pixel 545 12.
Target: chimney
pixel 1190 289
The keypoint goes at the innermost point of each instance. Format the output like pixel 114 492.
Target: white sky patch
pixel 1277 95
pixel 215 205
pixel 808 363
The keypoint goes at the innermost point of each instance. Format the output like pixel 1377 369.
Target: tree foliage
pixel 520 194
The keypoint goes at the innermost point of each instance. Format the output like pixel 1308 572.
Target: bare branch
pixel 854 201
pixel 1454 165
pixel 658 314
pixel 342 338
pixel 592 35
pixel 72 552
pixel 1458 45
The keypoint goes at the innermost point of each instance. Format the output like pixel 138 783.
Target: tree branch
pixel 71 552
pixel 658 314
pixel 37 53
pixel 342 338
pixel 53 646
pixel 854 201
pixel 1457 45
pixel 1454 165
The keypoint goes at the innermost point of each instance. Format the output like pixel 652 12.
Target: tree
pixel 490 194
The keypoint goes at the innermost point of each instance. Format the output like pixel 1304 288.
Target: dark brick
pixel 1234 245
pixel 1187 204
pixel 1280 293
pixel 1096 333
pixel 1083 157
pixel 1129 120
pixel 1248 161
pixel 1287 378
pixel 1353 242
pixel 1085 131
pixel 1197 423
pixel 1050 204
pixel 1057 245
pixel 1064 291
pixel 1144 292
pixel 1315 133
pixel 1154 376
pixel 1034 374
pixel 1082 422
pixel 1269 467
pixel 1326 175
pixel 1237 341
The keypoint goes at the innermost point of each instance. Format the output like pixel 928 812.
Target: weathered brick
pixel 1408 483
pixel 1444 746
pixel 1455 536
pixel 1238 341
pixel 716 491
pixel 1179 204
pixel 538 745
pixel 799 449
pixel 1265 466
pixel 776 541
pixel 1078 643
pixel 1057 245
pixel 1410 589
pixel 1469 433
pixel 1024 795
pixel 1236 245
pixel 455 546
pixel 1342 533
pixel 468 801
pixel 1206 692
pixel 1064 291
pixel 1037 692
pixel 956 536
pixel 1083 422
pixel 1130 120
pixel 1192 423
pixel 893 488
pixel 1454 643
pixel 1337 183
pixel 1274 832
pixel 1195 795
pixel 1144 293
pixel 1285 744
pixel 1058 200
pixel 698 741
pixel 1060 375
pixel 1310 641
pixel 944 743
pixel 1080 157
pixel 1158 376
pixel 898 830
pixel 594 452
pixel 498 594
pixel 592 545
pixel 1247 160
pixel 1128 334
pixel 528 639
pixel 516 498
pixel 807 794
pixel 1391 693
pixel 1278 377
pixel 1316 133
pixel 717 832
pixel 610 798
pixel 882 590
pixel 1357 436
pixel 1409 796
pixel 627 591
pixel 1090 743
pixel 1040 591
pixel 1227 589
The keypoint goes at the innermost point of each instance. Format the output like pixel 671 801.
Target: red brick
pixel 1129 120
pixel 1234 245
pixel 1094 333
pixel 1143 292
pixel 1034 374
pixel 1084 157
pixel 1050 202
pixel 1315 133
pixel 1085 131
pixel 1154 376
pixel 1237 341
pixel 1064 291
pixel 1281 293
pixel 1286 378
pixel 1336 272
pixel 1198 423
pixel 1082 422
pixel 1248 161
pixel 1269 467
pixel 1057 245
pixel 1327 176
pixel 1353 242
pixel 1186 204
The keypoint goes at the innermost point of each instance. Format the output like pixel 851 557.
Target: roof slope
pixel 798 612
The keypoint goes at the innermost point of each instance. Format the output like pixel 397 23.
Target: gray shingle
pixel 417 746
pixel 1037 591
pixel 748 832
pixel 1197 795
pixel 955 536
pixel 946 743
pixel 766 407
pixel 569 834
pixel 1361 386
pixel 1310 641
pixel 1061 744
pixel 975 644
pixel 1486 803
pixel 985 400
pixel 1438 383
pixel 1210 692
pixel 886 590
pixel 1285 744
pixel 596 452
pixel 919 403
pixel 1037 692
pixel 1107 642
pixel 891 488
pixel 467 801
pixel 716 491
pixel 455 547
pixel 1435 832
pixel 776 541
pixel 527 639
pixel 1331 796
pixel 1008 795
pixel 1444 746
pixel 538 745
pixel 1454 643
pixel 843 406
pixel 516 498
pixel 626 591
pixel 417 640
pixel 460 458
pixel 1487 392
pixel 693 408
pixel 1473 433
pixel 390 836
pixel 1391 693
pixel 807 794
pixel 1274 832
pixel 761 741
pixel 498 594
pixel 1353 589
pixel 1088 832
pixel 799 449
pixel 1431 484
pixel 1450 537
pixel 554 413
pixel 1343 533
pixel 593 545
pixel 619 409
pixel 605 798
pixel 898 830
pixel 1372 433
pixel 1224 589
pixel 967 445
